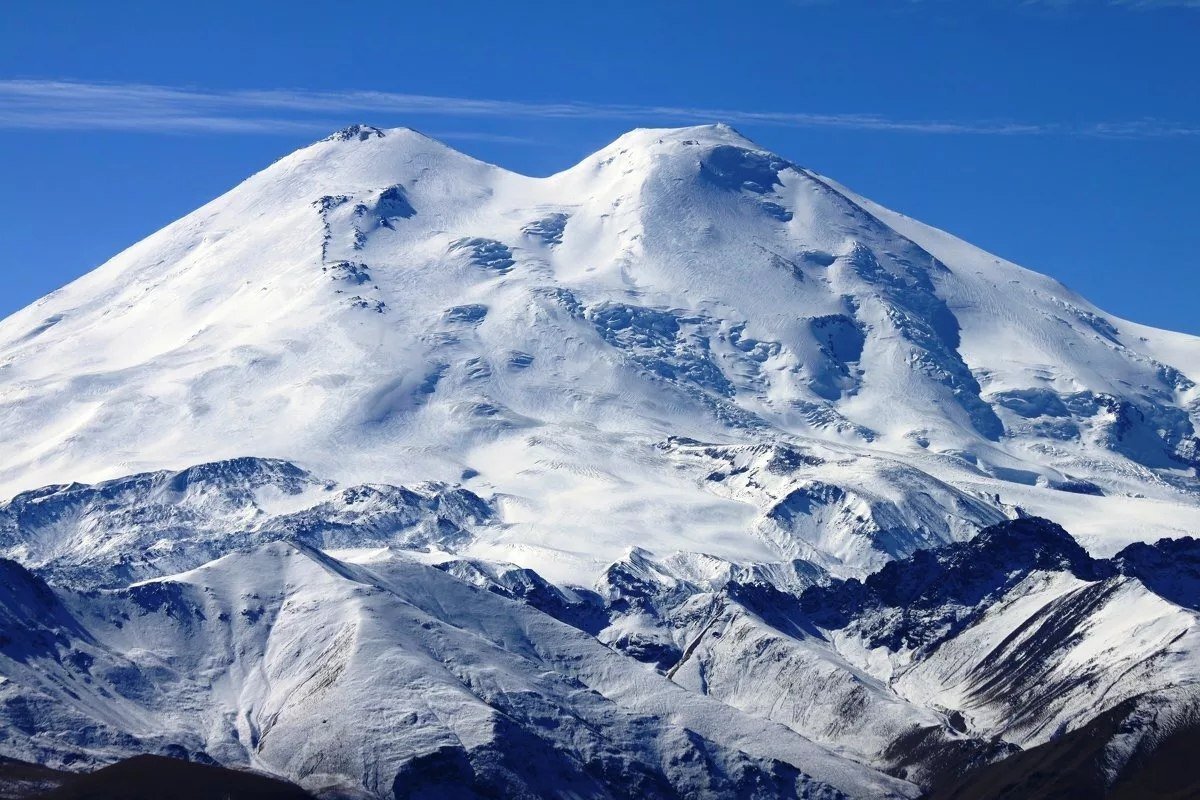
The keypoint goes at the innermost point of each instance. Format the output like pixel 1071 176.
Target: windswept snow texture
pixel 685 471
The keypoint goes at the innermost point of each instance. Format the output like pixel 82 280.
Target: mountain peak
pixel 653 142
pixel 361 155
pixel 710 133
pixel 355 132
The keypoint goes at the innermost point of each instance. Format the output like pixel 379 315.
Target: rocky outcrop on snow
pixel 145 526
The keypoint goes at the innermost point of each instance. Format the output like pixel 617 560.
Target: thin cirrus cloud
pixel 79 105
pixel 1142 4
pixel 1062 5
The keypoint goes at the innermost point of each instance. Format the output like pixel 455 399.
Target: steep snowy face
pixel 379 308
pixel 247 304
pixel 815 307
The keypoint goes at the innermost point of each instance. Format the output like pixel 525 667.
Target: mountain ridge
pixel 81 647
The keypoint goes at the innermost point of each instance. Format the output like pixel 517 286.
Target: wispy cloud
pixel 78 105
pixel 1137 4
pixel 1140 5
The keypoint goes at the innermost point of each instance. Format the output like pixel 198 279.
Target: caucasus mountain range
pixel 684 472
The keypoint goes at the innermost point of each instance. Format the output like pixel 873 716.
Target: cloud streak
pixel 79 105
pixel 1137 4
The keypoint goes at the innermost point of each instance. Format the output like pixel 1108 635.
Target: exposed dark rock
pixel 1170 568
pixel 933 593
pixel 147 777
pixel 1085 765
pixel 356 132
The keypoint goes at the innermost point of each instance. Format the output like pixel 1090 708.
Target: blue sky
pixel 1062 134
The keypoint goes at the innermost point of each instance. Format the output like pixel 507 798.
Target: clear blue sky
pixel 1062 134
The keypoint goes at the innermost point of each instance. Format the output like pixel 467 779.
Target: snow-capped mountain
pixel 663 475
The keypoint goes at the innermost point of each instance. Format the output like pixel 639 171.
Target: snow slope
pixel 380 308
